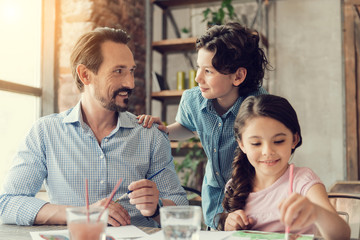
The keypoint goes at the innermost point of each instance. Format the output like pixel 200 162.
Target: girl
pixel 231 67
pixel 268 132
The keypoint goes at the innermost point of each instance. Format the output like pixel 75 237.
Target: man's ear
pixel 83 73
pixel 296 139
pixel 241 145
pixel 240 76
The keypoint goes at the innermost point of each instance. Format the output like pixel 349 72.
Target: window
pixel 26 58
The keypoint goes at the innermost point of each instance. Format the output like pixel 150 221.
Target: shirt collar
pixel 75 115
pixel 208 105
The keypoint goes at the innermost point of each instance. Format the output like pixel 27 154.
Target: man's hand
pixel 145 196
pixel 118 216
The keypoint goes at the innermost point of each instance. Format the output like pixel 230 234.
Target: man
pixel 97 140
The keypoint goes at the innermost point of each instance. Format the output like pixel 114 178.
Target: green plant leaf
pixel 185 30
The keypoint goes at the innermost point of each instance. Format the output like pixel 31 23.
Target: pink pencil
pixel 87 199
pixel 291 180
pixel 111 197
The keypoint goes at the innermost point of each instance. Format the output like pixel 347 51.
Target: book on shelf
pixel 162 82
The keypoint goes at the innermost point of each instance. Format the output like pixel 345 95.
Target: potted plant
pixel 220 15
pixel 192 167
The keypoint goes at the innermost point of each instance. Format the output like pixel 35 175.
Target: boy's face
pixel 214 85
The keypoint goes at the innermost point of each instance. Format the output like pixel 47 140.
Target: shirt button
pixel 219 124
pixel 102 156
pixel 214 149
pixel 102 182
pixel 106 140
pixel 217 173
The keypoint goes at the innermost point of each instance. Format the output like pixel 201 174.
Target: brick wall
pixel 77 17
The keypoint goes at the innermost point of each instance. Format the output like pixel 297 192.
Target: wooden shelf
pixel 175 45
pixel 173 3
pixel 167 94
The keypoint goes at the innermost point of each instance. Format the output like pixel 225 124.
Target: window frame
pixel 46 91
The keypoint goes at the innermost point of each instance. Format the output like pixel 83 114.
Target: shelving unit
pixel 174 45
pixel 167 46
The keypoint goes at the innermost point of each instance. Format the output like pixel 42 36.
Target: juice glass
pixel 87 226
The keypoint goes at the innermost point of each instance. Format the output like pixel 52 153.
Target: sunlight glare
pixel 10 11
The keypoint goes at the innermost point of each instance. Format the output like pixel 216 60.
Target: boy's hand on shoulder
pixel 238 221
pixel 148 120
pixel 297 211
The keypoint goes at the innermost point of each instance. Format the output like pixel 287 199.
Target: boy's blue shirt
pixel 216 133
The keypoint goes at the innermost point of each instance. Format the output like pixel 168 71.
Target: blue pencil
pixel 149 178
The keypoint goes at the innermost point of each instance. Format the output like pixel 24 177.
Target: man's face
pixel 115 78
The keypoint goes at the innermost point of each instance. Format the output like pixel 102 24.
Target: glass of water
pixel 181 222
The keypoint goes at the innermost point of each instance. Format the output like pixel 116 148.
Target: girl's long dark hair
pixel 271 106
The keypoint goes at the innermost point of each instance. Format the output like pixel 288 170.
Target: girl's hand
pixel 237 221
pixel 298 211
pixel 148 120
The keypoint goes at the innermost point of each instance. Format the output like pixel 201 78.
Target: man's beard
pixel 111 105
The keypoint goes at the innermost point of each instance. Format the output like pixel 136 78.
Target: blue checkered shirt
pixel 216 133
pixel 61 151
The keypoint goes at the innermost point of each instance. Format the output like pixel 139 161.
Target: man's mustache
pixel 128 90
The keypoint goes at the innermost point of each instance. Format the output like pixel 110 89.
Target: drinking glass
pixel 87 226
pixel 181 222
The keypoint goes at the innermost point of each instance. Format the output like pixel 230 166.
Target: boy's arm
pixel 175 131
pixel 179 132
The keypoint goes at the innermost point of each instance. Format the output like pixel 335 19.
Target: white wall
pixel 306 51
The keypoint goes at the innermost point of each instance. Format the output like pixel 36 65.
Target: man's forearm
pixel 51 214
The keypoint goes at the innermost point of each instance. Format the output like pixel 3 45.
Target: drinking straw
pixel 149 178
pixel 87 199
pixel 291 180
pixel 111 196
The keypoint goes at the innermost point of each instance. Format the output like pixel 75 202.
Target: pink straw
pixel 111 197
pixel 87 199
pixel 291 180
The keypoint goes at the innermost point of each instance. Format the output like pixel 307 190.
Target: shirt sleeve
pixel 183 115
pixel 167 181
pixel 18 204
pixel 305 179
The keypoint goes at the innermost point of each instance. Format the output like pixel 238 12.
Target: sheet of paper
pixel 206 235
pixel 250 235
pixel 117 233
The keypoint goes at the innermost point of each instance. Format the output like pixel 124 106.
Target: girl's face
pixel 214 85
pixel 267 144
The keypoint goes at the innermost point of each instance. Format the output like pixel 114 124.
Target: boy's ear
pixel 83 74
pixel 240 76
pixel 241 145
pixel 296 139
